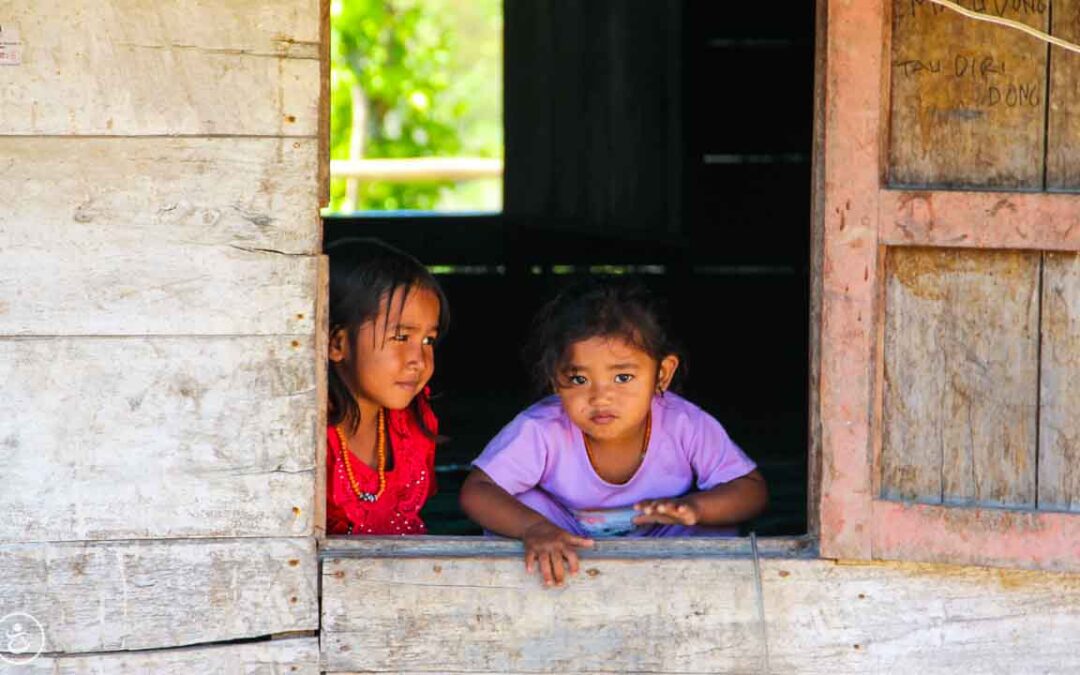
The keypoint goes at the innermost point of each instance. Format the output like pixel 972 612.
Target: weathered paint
pixel 854 524
pixel 416 612
pixel 1011 220
pixel 976 536
pixel 849 272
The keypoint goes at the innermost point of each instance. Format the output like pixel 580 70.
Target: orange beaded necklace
pixel 380 449
pixel 644 444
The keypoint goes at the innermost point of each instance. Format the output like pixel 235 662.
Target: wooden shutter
pixel 949 388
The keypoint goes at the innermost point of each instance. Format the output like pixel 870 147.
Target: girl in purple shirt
pixel 613 451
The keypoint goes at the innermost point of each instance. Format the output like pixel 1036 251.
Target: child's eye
pixel 623 378
pixel 428 341
pixel 577 380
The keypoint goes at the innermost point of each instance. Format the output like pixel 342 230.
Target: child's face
pixel 393 359
pixel 607 384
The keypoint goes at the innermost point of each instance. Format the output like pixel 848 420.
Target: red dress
pixel 408 484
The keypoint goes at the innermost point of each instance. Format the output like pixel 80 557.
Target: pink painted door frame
pixel 860 218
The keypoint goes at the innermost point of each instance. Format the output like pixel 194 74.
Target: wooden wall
pixel 695 610
pixel 159 261
pixel 979 346
pixel 982 357
pixel 975 105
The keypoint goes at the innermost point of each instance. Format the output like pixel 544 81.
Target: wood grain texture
pixel 1063 131
pixel 968 99
pixel 1059 402
pixel 113 289
pixel 324 104
pixel 127 67
pixel 976 536
pixel 144 192
pixel 112 438
pixel 322 345
pixel 484 614
pixel 503 620
pixel 141 236
pixel 292 656
pixel 961 377
pixel 994 220
pixel 111 596
pixel 850 280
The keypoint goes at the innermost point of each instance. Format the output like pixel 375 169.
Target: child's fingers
pixel 584 542
pixel 545 568
pixel 571 560
pixel 530 558
pixel 557 570
pixel 645 506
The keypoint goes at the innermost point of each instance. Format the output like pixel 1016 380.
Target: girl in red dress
pixel 386 314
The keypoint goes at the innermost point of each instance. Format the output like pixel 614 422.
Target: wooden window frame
pixel 862 217
pixel 496 246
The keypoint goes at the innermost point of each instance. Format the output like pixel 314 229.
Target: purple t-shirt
pixel 542 448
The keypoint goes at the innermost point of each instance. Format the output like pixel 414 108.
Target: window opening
pixel 416 106
pixel 727 243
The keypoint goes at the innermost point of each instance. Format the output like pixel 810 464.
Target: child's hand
pixel 667 512
pixel 547 546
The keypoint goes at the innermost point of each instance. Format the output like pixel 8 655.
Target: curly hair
pixel 597 307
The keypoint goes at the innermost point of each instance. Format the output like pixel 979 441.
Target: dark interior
pixel 666 140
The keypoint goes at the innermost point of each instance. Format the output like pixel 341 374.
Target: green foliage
pixel 398 53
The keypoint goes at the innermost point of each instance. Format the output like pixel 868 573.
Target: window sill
pixel 802 547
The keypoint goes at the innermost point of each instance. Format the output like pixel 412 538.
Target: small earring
pixel 660 390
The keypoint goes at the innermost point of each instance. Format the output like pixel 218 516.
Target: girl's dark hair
pixel 363 271
pixel 597 307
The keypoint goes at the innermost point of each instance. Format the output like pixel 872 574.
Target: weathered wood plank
pixel 483 614
pixel 502 620
pixel 177 68
pixel 911 618
pixel 968 99
pixel 106 596
pixel 118 438
pixel 142 236
pixel 139 193
pixel 1063 132
pixel 850 285
pixel 1013 538
pixel 322 345
pixel 1059 402
pixel 997 220
pixel 293 656
pixel 116 289
pixel 961 377
pixel 450 547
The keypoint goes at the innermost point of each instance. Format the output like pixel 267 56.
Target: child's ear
pixel 666 373
pixel 339 346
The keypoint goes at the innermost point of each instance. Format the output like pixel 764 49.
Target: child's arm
pixel 546 545
pixel 725 504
